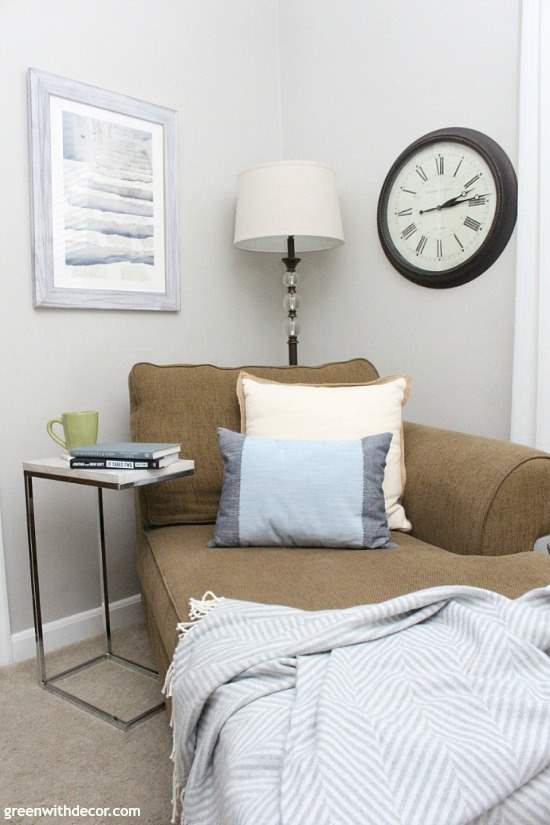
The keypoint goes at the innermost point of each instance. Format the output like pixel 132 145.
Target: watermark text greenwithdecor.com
pixel 69 811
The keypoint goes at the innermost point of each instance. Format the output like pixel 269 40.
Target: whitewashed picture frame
pixel 104 199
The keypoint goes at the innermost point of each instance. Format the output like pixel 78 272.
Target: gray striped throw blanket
pixel 429 709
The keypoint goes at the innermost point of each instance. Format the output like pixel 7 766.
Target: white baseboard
pixel 77 628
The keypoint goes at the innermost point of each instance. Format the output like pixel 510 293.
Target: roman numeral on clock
pixel 480 200
pixel 421 244
pixel 421 173
pixel 459 242
pixel 409 191
pixel 440 165
pixel 404 212
pixel 439 245
pixel 472 224
pixel 472 181
pixel 458 167
pixel 408 231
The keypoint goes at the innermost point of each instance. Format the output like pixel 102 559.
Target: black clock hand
pixel 446 204
pixel 433 209
pixel 452 202
pixel 455 202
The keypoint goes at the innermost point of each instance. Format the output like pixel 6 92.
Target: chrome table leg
pixel 48 682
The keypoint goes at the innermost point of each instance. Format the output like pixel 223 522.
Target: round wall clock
pixel 447 207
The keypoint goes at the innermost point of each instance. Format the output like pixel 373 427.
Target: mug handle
pixel 56 438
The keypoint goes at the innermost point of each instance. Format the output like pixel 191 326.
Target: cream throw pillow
pixel 333 412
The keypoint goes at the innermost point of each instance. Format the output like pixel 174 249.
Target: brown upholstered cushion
pixel 175 563
pixel 186 403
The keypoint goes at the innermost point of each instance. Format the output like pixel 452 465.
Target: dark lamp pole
pixel 292 300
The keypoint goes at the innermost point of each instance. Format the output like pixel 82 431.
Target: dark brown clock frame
pixel 503 222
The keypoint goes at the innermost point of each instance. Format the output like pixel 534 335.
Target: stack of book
pixel 124 456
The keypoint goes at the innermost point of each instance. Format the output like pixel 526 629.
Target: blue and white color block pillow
pixel 290 493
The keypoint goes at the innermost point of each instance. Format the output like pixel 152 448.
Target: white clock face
pixel 441 206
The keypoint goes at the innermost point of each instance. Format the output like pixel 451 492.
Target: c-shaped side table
pixel 57 469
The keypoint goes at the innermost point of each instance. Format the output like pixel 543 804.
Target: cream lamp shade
pixel 285 199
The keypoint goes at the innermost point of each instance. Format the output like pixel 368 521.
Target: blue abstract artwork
pixel 108 195
pixel 104 198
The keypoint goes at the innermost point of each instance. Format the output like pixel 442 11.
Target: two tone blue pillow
pixel 294 493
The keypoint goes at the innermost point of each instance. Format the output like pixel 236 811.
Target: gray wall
pixel 361 80
pixel 216 63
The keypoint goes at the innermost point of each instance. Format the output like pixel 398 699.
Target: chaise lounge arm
pixel 474 495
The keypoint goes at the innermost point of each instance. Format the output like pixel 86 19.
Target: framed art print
pixel 104 198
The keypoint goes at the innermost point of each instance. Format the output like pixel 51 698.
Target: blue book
pixel 136 450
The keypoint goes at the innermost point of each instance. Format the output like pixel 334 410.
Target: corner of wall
pixel 280 76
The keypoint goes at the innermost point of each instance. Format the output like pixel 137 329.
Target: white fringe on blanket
pixel 198 608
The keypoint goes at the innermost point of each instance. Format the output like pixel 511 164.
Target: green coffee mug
pixel 80 429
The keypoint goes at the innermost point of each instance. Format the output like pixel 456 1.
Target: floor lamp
pixel 288 207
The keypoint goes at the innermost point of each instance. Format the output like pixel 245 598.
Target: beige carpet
pixel 52 753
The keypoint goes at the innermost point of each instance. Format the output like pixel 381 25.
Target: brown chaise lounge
pixel 477 506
